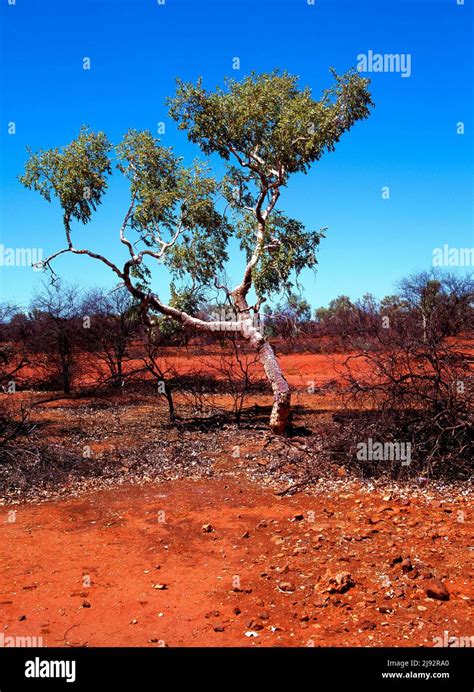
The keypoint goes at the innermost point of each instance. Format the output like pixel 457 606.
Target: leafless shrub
pixel 13 354
pixel 161 373
pixel 416 388
pixel 52 333
pixel 238 372
pixel 111 322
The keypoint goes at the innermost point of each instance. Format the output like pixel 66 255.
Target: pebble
pixel 286 586
pixel 437 590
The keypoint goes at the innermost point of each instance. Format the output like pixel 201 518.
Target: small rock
pixel 160 587
pixel 437 590
pixel 286 586
pixel 212 614
pixel 406 565
pixel 374 520
pixel 207 528
pixel 341 583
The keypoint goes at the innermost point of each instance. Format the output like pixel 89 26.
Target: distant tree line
pixel 430 302
pixel 64 324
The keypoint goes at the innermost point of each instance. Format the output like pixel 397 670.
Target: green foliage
pixel 153 172
pixel 268 120
pixel 287 317
pixel 174 205
pixel 338 307
pixel 288 249
pixel 299 307
pixel 393 304
pixel 76 174
pixel 265 127
pixel 201 252
pixel 368 304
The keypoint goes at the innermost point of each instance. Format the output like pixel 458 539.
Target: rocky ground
pixel 223 562
pixel 209 535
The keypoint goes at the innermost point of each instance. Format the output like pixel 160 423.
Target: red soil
pixel 301 369
pixel 129 539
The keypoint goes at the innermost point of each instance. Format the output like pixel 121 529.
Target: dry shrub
pixel 418 392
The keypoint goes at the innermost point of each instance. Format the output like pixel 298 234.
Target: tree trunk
pixel 66 376
pixel 281 410
pixel 169 398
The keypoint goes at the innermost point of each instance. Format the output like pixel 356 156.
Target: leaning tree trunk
pixel 281 410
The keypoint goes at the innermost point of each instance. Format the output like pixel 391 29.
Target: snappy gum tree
pixel 265 129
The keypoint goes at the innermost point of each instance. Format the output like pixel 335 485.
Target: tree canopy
pixel 264 127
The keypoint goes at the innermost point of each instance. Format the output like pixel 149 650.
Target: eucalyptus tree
pixel 265 129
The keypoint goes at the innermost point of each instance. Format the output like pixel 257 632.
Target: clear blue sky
pixel 137 49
